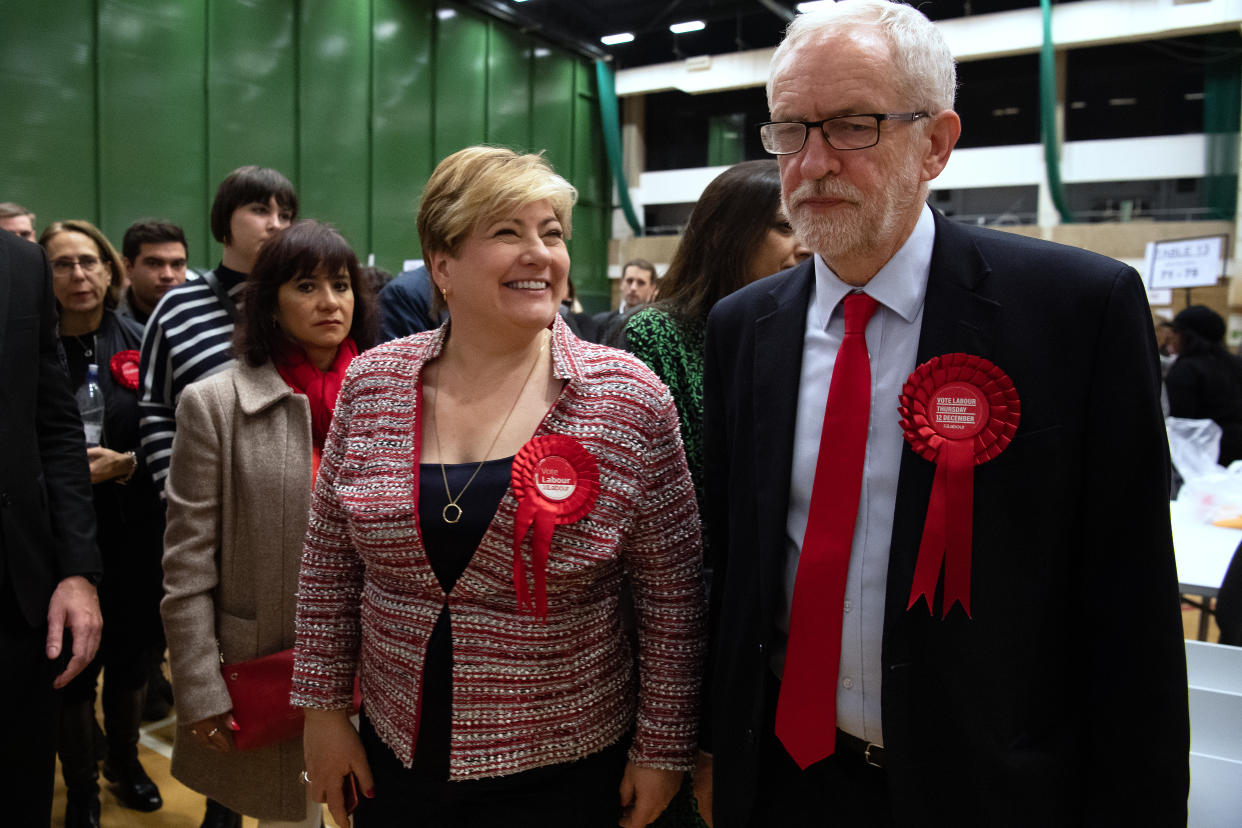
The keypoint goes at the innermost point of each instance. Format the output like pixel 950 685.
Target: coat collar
pixel 259 387
pixel 567 349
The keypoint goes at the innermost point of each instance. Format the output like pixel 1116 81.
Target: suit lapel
pixel 777 368
pixel 958 315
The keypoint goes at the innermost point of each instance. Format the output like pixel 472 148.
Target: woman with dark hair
pixel 736 234
pixel 487 488
pixel 244 459
pixel 188 335
pixel 86 275
pixel 1205 383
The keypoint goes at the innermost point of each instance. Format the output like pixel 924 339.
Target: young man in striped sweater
pixel 190 332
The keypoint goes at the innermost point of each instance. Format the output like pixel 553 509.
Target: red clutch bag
pixel 260 691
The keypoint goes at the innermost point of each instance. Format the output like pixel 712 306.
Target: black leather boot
pixel 218 816
pixel 76 746
pixel 122 716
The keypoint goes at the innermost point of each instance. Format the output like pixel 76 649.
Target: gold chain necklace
pixel 435 408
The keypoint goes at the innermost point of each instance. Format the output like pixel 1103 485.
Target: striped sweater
pixel 189 336
pixel 525 693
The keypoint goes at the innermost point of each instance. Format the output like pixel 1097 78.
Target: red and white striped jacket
pixel 526 693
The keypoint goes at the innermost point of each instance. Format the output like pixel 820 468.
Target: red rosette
pixel 957 410
pixel 124 367
pixel 555 480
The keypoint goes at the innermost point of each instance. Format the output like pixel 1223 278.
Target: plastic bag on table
pixel 1214 492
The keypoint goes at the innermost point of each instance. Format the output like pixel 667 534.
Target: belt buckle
pixel 867 755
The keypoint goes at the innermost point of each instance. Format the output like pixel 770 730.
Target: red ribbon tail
pixel 541 548
pixel 959 463
pixel 521 524
pixel 931 549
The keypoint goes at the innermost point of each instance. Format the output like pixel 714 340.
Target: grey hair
pixel 926 72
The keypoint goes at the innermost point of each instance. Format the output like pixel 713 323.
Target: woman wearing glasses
pixel 86 274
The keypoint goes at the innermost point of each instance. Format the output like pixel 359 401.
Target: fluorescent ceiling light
pixel 446 14
pixel 617 39
pixel 688 26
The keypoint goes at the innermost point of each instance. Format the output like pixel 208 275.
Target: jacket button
pixel 4 499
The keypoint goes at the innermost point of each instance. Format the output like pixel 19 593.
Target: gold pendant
pixel 444 513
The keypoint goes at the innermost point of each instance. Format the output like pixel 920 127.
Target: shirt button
pixel 847 683
pixel 848 606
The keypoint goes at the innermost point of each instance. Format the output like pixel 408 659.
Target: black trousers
pixel 582 794
pixel 840 790
pixel 31 710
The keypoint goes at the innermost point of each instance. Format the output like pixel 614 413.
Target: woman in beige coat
pixel 243 461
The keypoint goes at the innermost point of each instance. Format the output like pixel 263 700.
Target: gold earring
pixel 444 294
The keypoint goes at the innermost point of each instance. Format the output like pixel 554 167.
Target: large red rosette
pixel 957 410
pixel 555 480
pixel 124 367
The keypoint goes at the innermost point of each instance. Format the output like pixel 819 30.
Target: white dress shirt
pixel 892 343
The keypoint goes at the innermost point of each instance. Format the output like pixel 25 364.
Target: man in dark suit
pixel 1052 689
pixel 49 563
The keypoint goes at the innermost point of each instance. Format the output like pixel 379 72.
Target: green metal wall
pixel 120 109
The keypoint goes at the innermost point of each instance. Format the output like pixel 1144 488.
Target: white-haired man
pixel 1040 680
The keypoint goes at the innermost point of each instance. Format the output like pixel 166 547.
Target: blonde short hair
pixel 476 184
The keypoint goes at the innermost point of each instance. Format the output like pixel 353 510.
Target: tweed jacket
pixel 238 495
pixel 525 693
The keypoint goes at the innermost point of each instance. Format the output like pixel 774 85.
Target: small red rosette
pixel 124 367
pixel 555 481
pixel 957 410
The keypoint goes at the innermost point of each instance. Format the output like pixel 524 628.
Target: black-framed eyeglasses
pixel 844 132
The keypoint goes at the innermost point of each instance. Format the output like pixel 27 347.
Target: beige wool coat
pixel 238 497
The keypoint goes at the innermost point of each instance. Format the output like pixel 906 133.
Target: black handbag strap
pixel 209 276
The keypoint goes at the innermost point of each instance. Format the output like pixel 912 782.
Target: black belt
pixel 869 752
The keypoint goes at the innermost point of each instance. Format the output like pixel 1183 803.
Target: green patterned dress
pixel 674 350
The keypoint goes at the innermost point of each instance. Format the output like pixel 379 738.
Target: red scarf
pixel 320 387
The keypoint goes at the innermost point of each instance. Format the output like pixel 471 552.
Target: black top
pixel 449 550
pixel 1208 386
pixel 129 517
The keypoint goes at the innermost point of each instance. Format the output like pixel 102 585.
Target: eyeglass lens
pixel 88 264
pixel 846 132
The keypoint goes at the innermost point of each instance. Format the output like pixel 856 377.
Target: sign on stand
pixel 1185 263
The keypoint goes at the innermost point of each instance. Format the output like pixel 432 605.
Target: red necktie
pixel 806 713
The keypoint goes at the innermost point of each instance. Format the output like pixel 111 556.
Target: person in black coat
pixel 49 562
pixel 86 272
pixel 1205 382
pixel 1055 694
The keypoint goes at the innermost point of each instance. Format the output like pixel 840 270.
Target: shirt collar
pixel 900 286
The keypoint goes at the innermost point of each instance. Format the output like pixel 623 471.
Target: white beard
pixel 861 226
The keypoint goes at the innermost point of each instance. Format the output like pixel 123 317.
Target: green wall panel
pixel 120 109
pixel 334 103
pixel 508 88
pixel 152 126
pixel 552 108
pixel 251 87
pixel 47 93
pixel 588 141
pixel 461 82
pixel 402 122
pixel 588 252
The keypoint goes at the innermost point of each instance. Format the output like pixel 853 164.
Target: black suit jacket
pixel 47 523
pixel 1063 701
